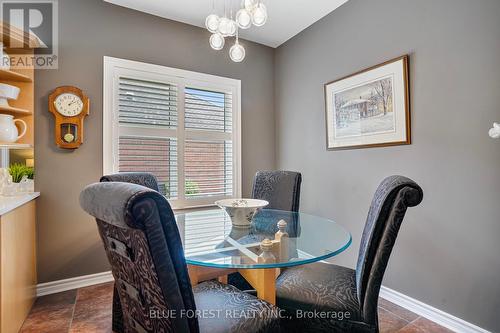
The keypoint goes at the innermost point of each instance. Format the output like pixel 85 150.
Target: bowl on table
pixel 241 211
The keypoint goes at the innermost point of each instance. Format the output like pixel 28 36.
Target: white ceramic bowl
pixel 8 92
pixel 241 211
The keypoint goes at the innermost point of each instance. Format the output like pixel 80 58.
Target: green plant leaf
pixel 18 170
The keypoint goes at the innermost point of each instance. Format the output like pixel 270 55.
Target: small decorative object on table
pixel 267 256
pixel 241 211
pixel 282 238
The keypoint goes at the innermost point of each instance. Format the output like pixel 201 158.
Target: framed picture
pixel 369 108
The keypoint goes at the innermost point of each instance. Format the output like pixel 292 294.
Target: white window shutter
pixel 208 156
pixel 182 126
pixel 147 104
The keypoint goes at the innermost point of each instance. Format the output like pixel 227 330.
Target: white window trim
pixel 114 66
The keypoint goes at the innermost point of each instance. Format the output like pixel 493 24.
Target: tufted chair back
pixel 142 242
pixel 393 196
pixel 140 178
pixel 280 188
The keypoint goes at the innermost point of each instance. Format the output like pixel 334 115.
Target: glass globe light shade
pixel 250 4
pixel 217 41
pixel 244 18
pixel 212 23
pixel 237 52
pixel 259 15
pixel 232 28
pixel 224 26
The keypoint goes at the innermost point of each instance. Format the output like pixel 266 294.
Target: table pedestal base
pixel 263 280
pixel 199 274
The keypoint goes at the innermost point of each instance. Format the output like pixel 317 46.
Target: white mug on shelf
pixel 7 92
pixel 8 129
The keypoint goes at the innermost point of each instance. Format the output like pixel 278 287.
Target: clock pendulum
pixel 69 137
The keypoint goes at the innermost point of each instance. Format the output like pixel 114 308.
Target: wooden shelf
pixel 15 145
pixel 10 109
pixel 7 75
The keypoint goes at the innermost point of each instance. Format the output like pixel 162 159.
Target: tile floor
pixel 88 310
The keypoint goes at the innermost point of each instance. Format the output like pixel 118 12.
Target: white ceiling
pixel 286 17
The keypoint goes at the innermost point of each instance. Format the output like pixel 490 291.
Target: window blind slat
pixel 158 156
pixel 147 103
pixel 208 110
pixel 208 168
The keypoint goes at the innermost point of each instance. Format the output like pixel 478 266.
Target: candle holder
pixel 267 256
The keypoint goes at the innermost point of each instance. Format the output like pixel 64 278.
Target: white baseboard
pixel 442 318
pixel 53 287
pixel 424 310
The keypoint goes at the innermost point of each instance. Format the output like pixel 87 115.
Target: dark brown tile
pixel 89 310
pixel 51 313
pixel 389 322
pixel 423 325
pixel 397 310
pixel 93 309
pixel 410 328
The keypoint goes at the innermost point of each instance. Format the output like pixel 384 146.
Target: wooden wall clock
pixel 70 106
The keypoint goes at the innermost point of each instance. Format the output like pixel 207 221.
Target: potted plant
pixel 18 171
pixel 22 180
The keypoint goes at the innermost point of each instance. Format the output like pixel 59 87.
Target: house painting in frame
pixel 369 108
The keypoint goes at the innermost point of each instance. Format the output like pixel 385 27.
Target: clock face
pixel 69 105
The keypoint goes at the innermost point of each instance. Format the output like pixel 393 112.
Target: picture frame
pixel 370 108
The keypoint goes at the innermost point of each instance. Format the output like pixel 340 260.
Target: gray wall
pixel 68 243
pixel 447 252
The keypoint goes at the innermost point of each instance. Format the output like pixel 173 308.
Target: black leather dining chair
pixel 142 243
pixel 282 190
pixel 349 296
pixel 140 178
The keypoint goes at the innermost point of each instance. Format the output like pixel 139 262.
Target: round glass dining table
pixel 213 247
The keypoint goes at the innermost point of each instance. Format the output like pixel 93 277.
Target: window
pixel 182 126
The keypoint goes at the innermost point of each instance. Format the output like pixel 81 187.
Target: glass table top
pixel 210 240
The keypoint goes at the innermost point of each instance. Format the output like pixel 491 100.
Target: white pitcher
pixel 8 129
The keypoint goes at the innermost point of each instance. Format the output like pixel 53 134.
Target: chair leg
pixel 117 313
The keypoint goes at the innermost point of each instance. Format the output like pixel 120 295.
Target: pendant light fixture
pixel 212 21
pixel 251 12
pixel 217 41
pixel 259 15
pixel 237 52
pixel 244 18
